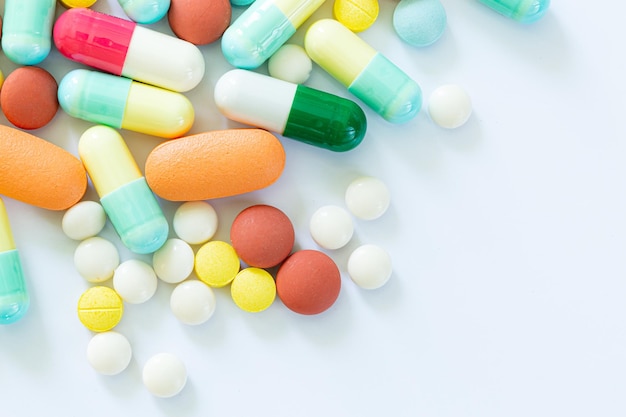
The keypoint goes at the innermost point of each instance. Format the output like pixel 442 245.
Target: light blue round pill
pixel 419 22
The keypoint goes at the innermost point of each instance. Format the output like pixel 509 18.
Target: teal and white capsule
pixel 14 299
pixel 294 111
pixel 523 11
pixel 124 193
pixel 27 30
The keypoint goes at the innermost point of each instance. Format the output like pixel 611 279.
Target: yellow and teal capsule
pixel 524 11
pixel 14 299
pixel 124 193
pixel 123 103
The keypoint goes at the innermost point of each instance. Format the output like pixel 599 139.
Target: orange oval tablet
pixel 38 172
pixel 215 164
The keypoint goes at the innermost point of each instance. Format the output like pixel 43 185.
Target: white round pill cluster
pixel 331 227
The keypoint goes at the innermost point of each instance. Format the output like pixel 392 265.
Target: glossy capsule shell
pixel 123 103
pixel 263 28
pixel 367 74
pixel 121 47
pixel 523 11
pixel 27 30
pixel 14 299
pixel 294 111
pixel 124 193
pixel 145 11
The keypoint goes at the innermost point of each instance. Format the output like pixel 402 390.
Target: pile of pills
pixel 136 81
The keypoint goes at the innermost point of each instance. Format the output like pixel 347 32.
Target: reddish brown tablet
pixel 262 236
pixel 220 163
pixel 199 21
pixel 29 97
pixel 37 172
pixel 308 282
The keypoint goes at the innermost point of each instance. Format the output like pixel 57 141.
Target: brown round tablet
pixel 29 97
pixel 262 236
pixel 308 282
pixel 199 21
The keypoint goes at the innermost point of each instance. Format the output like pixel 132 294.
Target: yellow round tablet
pixel 77 3
pixel 356 15
pixel 216 263
pixel 100 308
pixel 253 290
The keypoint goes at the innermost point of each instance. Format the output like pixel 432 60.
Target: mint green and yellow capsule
pixel 14 299
pixel 27 30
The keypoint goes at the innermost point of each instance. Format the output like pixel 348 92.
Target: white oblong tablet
pixel 135 281
pixel 290 63
pixel 192 302
pixel 367 198
pixel 164 375
pixel 83 220
pixel 331 227
pixel 449 106
pixel 195 222
pixel 369 266
pixel 96 258
pixel 174 261
pixel 109 353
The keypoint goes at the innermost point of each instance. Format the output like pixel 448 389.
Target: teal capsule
pixel 27 30
pixel 145 11
pixel 14 298
pixel 524 11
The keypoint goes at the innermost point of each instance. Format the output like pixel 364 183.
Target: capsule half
pixel 27 30
pixel 124 193
pixel 524 11
pixel 294 111
pixel 122 103
pixel 14 299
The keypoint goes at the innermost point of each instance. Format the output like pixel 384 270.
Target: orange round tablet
pixel 29 97
pixel 37 172
pixel 199 21
pixel 215 164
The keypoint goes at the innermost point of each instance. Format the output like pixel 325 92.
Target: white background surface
pixel 507 236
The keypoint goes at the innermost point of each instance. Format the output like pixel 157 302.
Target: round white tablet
pixel 367 198
pixel 84 219
pixel 173 262
pixel 164 375
pixel 192 302
pixel 290 63
pixel 134 281
pixel 369 266
pixel 449 106
pixel 109 353
pixel 195 222
pixel 331 227
pixel 96 258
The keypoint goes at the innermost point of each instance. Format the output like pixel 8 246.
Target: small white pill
pixel 96 258
pixel 164 375
pixel 369 266
pixel 290 63
pixel 83 220
pixel 331 227
pixel 449 106
pixel 174 261
pixel 192 302
pixel 367 198
pixel 134 281
pixel 195 222
pixel 109 353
